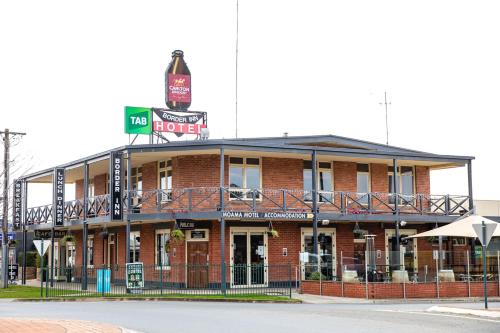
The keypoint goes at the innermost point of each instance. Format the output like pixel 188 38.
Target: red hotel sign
pixel 165 126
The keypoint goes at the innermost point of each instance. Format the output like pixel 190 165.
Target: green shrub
pixel 316 275
pixel 32 258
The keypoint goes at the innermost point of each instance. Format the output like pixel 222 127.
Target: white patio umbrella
pixel 461 228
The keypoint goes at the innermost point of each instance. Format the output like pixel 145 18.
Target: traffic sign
pixel 41 245
pixel 490 229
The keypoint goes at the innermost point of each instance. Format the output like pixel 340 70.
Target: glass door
pixel 240 259
pixel 248 258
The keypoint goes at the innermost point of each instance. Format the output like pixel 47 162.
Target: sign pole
pixel 41 270
pixel 484 266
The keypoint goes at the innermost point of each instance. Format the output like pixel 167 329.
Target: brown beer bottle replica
pixel 178 83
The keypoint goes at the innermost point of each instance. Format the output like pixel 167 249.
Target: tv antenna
pixel 385 103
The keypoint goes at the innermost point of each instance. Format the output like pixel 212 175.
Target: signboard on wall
pixel 17 205
pixel 267 215
pixel 58 209
pixel 47 234
pixel 116 185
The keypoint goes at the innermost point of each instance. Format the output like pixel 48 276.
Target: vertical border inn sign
pixel 116 186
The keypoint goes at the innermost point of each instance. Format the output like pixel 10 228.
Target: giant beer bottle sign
pixel 178 83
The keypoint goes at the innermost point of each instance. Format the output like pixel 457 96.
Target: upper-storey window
pixel 405 182
pixel 91 188
pixel 165 179
pixel 136 179
pixel 324 181
pixel 363 183
pixel 244 174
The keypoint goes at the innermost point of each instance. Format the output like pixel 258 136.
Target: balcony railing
pixel 207 199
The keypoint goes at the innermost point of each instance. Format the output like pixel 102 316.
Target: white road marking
pixel 442 315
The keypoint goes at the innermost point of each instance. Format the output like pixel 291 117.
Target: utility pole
pixel 5 224
pixel 386 122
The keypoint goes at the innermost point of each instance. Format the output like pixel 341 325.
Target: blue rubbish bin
pixel 103 280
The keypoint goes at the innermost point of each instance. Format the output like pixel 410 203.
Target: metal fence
pixel 175 280
pixel 462 270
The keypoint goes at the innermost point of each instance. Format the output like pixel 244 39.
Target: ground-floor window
pixel 408 256
pixel 326 254
pixel 90 250
pixel 162 248
pixel 135 245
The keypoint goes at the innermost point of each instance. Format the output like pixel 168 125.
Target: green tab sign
pixel 137 120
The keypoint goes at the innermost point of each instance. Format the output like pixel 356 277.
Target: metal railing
pixel 207 199
pixel 175 280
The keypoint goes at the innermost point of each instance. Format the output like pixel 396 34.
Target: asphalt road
pixel 244 317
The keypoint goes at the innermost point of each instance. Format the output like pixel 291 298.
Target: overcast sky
pixel 67 69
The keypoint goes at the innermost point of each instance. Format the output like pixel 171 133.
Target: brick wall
pixel 398 290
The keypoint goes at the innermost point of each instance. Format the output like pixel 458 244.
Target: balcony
pixel 202 200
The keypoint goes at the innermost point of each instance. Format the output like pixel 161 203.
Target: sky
pixel 68 68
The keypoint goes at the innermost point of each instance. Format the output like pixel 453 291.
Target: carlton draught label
pixel 178 83
pixel 179 88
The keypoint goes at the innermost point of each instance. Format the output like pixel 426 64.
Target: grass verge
pixel 25 292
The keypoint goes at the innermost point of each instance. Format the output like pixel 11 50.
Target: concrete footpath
pixel 493 313
pixel 27 325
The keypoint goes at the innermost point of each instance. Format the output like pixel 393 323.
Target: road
pixel 246 317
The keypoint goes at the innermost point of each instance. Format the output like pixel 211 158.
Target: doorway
pixel 197 264
pixel 248 257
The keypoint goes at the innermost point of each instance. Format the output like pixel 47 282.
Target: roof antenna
pixel 386 123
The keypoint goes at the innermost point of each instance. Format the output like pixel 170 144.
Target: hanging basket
pixel 177 235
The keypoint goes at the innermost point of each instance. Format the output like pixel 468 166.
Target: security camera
pixel 402 223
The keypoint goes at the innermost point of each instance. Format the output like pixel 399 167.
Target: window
pixel 135 246
pixel 91 188
pixel 459 241
pixel 244 174
pixel 90 250
pixel 363 181
pixel 404 182
pixel 162 248
pixel 165 179
pixel 324 181
pixel 136 179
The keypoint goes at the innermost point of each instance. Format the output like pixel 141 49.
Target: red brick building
pixel 254 190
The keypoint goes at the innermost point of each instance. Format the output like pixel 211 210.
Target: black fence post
pixel 290 278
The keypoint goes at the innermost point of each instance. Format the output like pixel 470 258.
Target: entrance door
pixel 248 257
pixel 408 258
pixel 197 268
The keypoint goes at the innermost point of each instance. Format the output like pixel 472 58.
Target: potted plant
pixel 67 238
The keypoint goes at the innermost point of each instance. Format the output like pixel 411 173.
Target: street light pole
pixel 5 203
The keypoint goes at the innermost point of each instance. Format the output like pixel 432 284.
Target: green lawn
pixel 34 292
pixel 20 292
